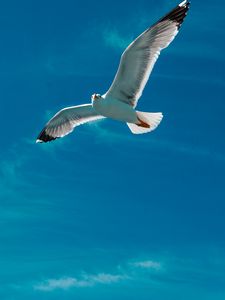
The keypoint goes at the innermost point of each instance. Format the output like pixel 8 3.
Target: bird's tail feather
pixel 148 122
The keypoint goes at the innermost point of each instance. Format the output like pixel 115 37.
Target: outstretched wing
pixel 65 121
pixel 139 58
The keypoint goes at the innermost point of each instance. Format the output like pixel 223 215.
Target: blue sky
pixel 102 213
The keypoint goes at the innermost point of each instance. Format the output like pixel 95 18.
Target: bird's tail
pixel 147 122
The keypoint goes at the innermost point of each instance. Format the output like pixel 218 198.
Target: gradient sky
pixel 102 213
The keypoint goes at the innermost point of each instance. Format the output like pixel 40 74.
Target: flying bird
pixel 119 102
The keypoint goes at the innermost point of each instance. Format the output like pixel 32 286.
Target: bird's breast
pixel 115 109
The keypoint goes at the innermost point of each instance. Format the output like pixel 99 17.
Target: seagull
pixel 119 102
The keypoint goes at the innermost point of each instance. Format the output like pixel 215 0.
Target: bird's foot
pixel 143 124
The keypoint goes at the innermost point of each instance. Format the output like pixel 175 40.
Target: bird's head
pixel 95 97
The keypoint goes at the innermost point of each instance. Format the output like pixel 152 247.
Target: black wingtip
pixel 44 137
pixel 178 13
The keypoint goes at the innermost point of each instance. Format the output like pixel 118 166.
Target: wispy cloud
pixel 113 136
pixel 170 272
pixel 86 280
pixel 130 271
pixel 61 283
pixel 114 39
pixel 105 278
pixel 147 264
pixel 10 172
pixel 113 36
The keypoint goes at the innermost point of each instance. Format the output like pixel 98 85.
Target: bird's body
pixel 115 109
pixel 119 102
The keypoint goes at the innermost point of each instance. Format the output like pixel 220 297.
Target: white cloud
pixel 62 283
pixel 147 264
pixel 86 280
pixel 112 136
pixel 115 40
pixel 11 176
pixel 113 37
pixel 104 278
pixel 9 170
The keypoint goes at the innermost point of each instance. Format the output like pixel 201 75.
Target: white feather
pixel 65 121
pixel 139 58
